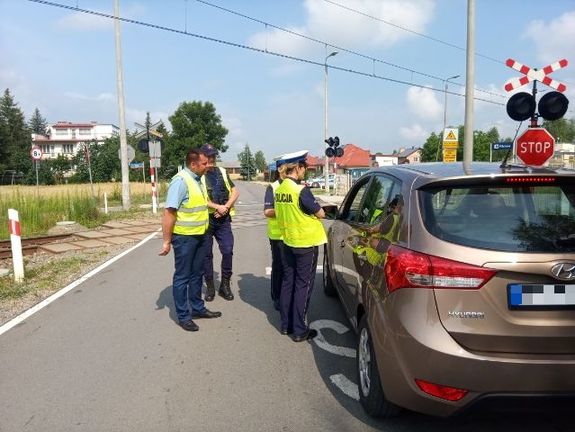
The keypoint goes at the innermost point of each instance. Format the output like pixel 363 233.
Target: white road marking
pixel 345 385
pixel 320 341
pixel 269 270
pixel 15 321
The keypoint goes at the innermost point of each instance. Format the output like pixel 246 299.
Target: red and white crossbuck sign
pixel 535 75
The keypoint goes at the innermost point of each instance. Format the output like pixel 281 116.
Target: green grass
pixel 41 278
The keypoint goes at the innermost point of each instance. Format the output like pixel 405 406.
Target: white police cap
pixel 294 157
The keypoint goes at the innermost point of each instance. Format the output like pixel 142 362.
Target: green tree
pixel 37 123
pixel 260 161
pixel 563 130
pixel 247 163
pixel 193 124
pixel 59 167
pixel 429 149
pixel 15 139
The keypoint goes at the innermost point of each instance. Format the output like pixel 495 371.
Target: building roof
pixel 407 152
pixel 354 156
pixel 230 164
pixel 314 161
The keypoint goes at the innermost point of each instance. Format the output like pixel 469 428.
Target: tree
pixel 247 163
pixel 193 124
pixel 37 123
pixel 260 161
pixel 563 130
pixel 429 149
pixel 15 139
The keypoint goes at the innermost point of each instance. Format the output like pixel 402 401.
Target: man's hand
pixel 221 210
pixel 166 246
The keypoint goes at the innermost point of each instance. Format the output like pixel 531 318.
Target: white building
pixel 66 138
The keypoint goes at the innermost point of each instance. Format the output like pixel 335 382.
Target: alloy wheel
pixel 364 362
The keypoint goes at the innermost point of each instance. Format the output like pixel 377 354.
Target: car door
pixel 342 231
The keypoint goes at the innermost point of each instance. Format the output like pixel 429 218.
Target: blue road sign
pixel 137 165
pixel 502 146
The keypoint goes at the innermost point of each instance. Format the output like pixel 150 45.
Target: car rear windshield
pixel 503 217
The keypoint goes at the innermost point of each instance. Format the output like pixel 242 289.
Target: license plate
pixel 541 296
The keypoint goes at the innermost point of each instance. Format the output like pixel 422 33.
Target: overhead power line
pixel 246 47
pixel 434 39
pixel 340 48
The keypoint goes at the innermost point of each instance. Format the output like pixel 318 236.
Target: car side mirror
pixel 330 211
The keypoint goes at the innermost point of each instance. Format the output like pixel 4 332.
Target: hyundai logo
pixel 563 271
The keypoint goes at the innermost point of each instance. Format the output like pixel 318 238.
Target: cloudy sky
pixel 260 62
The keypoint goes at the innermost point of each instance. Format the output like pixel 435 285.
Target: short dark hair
pixel 193 156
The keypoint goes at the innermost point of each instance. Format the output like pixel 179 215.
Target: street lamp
pixel 446 81
pixel 326 173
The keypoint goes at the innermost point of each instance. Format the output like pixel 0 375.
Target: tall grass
pixel 40 208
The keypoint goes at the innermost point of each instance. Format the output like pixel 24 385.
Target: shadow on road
pixel 255 291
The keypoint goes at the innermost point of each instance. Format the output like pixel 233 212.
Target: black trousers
pixel 277 271
pixel 299 268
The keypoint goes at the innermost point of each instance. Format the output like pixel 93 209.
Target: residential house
pixel 355 161
pixel 411 155
pixel 67 138
pixel 232 168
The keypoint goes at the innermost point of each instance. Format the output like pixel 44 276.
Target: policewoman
pixel 298 215
pixel 184 224
pixel 222 195
pixel 274 233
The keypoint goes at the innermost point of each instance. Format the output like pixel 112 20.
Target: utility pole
pixel 469 93
pixel 326 174
pixel 121 108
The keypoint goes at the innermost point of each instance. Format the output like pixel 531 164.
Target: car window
pixel 354 200
pixel 506 218
pixel 377 199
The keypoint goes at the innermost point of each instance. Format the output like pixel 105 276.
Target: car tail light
pixel 523 179
pixel 405 268
pixel 443 392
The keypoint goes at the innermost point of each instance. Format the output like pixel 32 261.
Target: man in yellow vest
pixel 184 225
pixel 298 215
pixel 274 232
pixel 222 195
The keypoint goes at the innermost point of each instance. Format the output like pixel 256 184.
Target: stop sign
pixel 535 147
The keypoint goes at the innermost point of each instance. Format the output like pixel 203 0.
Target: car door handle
pixel 342 244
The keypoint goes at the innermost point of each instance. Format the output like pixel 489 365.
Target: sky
pixel 261 63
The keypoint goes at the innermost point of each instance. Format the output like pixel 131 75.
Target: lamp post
pixel 326 173
pixel 446 82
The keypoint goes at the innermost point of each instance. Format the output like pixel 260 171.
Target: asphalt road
pixel 108 356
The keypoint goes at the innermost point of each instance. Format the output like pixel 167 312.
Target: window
pixel 61 132
pixel 377 200
pixel 353 202
pixel 85 131
pixel 515 219
pixel 68 148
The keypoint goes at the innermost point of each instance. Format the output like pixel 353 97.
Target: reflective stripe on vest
pixel 232 211
pixel 192 217
pixel 274 232
pixel 298 229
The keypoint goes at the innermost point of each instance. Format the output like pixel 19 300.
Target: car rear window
pixel 503 217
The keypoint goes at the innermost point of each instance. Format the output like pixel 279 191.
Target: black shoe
pixel 225 291
pixel 310 334
pixel 210 291
pixel 207 314
pixel 189 326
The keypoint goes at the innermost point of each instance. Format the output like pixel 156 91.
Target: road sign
pixel 131 153
pixel 535 75
pixel 137 165
pixel 450 134
pixel 502 146
pixel 450 155
pixel 36 153
pixel 155 149
pixel 535 147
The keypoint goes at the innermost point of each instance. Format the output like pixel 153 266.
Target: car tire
pixel 328 286
pixel 371 395
pixel 315 185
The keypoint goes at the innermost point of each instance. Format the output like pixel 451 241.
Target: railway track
pixel 30 245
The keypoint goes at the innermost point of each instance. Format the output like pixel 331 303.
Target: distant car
pixel 461 285
pixel 319 182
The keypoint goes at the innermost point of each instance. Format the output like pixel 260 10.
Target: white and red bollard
pixel 16 244
pixel 154 191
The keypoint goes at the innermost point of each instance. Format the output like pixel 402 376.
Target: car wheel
pixel 315 185
pixel 328 286
pixel 371 394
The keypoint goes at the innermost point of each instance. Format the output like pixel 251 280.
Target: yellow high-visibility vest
pixel 274 231
pixel 228 187
pixel 192 217
pixel 298 229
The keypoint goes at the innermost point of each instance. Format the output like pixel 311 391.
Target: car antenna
pixel 504 163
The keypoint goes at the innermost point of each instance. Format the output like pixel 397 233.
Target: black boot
pixel 225 291
pixel 210 291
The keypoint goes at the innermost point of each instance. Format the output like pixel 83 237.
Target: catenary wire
pixel 254 49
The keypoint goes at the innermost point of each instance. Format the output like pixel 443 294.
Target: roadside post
pixel 36 153
pixel 16 244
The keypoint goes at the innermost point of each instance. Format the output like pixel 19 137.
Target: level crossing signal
pixel 333 148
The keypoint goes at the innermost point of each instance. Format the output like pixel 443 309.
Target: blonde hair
pixel 282 171
pixel 289 167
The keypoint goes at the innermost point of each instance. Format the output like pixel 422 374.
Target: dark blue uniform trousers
pixel 299 267
pixel 189 254
pixel 277 271
pixel 222 231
